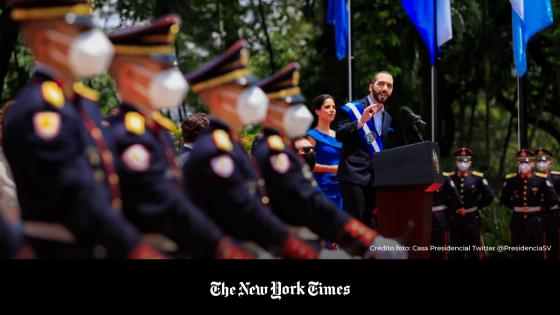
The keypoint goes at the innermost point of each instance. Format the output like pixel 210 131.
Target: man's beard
pixel 380 97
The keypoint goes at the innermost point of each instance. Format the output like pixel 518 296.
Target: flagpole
pixel 522 126
pixel 435 100
pixel 350 51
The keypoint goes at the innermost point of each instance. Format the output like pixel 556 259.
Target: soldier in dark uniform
pixel 290 183
pixel 150 181
pixel 475 193
pixel 445 199
pixel 528 193
pixel 552 214
pixel 219 175
pixel 64 209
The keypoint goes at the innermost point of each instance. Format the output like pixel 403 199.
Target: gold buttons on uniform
pixel 94 158
pixel 99 175
pixel 265 200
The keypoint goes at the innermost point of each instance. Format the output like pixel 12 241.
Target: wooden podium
pixel 405 178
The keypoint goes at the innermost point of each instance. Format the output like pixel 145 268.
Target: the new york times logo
pixel 276 290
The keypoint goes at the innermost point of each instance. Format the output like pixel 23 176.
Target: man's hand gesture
pixel 369 113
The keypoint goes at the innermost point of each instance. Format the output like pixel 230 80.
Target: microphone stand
pixel 418 128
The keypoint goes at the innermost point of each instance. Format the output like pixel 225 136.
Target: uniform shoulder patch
pixel 46 125
pixel 448 173
pixel 276 143
pixel 86 92
pixel 52 94
pixel 136 157
pixel 479 174
pixel 222 166
pixel 541 175
pixel 135 123
pixel 511 175
pixel 222 140
pixel 163 121
pixel 280 163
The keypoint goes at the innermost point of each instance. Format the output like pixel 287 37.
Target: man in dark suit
pixel 362 129
pixel 191 128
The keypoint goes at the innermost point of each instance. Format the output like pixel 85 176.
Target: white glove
pixel 334 254
pixel 264 255
pixel 259 252
pixel 387 248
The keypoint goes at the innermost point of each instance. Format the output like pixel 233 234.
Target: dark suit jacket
pixel 184 155
pixel 356 164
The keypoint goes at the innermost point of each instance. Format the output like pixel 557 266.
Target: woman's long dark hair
pixel 319 100
pixel 316 104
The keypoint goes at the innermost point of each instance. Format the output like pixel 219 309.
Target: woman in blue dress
pixel 327 149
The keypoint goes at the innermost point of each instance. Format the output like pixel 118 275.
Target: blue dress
pixel 328 153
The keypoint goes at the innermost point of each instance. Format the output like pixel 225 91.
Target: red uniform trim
pixel 145 251
pixel 295 248
pixel 227 250
pixel 360 231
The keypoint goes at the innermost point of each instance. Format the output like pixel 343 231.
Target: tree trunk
pixel 471 122
pixel 487 74
pixel 461 120
pixel 268 45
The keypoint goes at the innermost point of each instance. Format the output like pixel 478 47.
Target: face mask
pixel 167 89
pixel 524 168
pixel 542 166
pixel 252 105
pixel 89 54
pixel 310 159
pixel 463 166
pixel 297 120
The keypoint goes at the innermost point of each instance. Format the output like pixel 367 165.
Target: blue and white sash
pixel 368 133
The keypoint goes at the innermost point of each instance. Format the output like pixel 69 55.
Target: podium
pixel 405 178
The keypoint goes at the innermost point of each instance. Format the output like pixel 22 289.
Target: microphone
pixel 416 119
pixel 415 122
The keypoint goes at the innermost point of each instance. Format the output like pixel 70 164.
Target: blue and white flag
pixel 421 13
pixel 528 18
pixel 337 15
